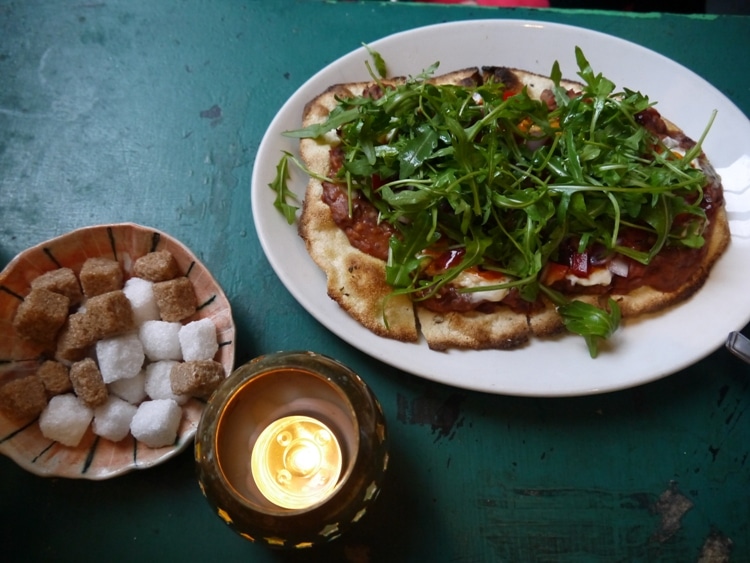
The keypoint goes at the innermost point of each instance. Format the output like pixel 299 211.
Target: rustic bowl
pixel 95 457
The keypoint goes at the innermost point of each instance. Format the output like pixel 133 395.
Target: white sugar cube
pixel 65 419
pixel 140 293
pixel 159 384
pixel 198 340
pixel 119 357
pixel 161 340
pixel 132 389
pixel 112 419
pixel 156 422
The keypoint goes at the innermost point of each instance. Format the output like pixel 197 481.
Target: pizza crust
pixel 356 280
pixel 647 300
pixel 502 330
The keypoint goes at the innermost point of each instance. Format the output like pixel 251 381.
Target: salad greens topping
pixel 510 180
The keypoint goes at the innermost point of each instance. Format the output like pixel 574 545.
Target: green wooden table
pixel 105 116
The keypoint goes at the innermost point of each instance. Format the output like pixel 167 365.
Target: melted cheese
pixel 600 276
pixel 470 279
pixel 677 150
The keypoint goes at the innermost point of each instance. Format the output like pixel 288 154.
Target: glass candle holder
pixel 291 449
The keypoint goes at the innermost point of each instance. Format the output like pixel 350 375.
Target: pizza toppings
pixel 359 220
pixel 506 189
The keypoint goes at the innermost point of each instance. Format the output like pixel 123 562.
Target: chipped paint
pixel 444 417
pixel 628 14
pixel 671 506
pixel 716 549
pixel 214 112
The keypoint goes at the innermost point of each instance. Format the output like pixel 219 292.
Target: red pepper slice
pixel 554 272
pixel 579 264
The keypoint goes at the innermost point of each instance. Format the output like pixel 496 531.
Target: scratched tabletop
pixel 152 112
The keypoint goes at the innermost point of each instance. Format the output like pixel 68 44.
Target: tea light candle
pixel 291 449
pixel 296 462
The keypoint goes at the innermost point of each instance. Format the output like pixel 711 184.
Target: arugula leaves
pixel 378 60
pixel 593 323
pixel 283 193
pixel 509 180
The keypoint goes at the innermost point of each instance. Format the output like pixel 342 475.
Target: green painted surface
pixel 106 116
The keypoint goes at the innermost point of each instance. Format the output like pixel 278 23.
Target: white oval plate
pixel 97 458
pixel 642 350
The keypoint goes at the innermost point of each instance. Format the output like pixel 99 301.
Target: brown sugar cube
pixel 100 275
pixel 62 281
pixel 197 378
pixel 41 315
pixel 175 298
pixel 24 398
pixel 75 338
pixel 55 378
pixel 109 314
pixel 88 383
pixel 156 266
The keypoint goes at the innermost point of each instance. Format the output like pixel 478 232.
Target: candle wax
pixel 296 462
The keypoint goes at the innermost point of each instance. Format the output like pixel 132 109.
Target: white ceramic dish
pixel 97 458
pixel 641 351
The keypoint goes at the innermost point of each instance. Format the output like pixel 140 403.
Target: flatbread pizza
pixel 487 206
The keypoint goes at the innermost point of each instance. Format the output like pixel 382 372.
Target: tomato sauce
pixel 362 227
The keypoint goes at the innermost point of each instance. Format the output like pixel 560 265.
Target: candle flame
pixel 296 462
